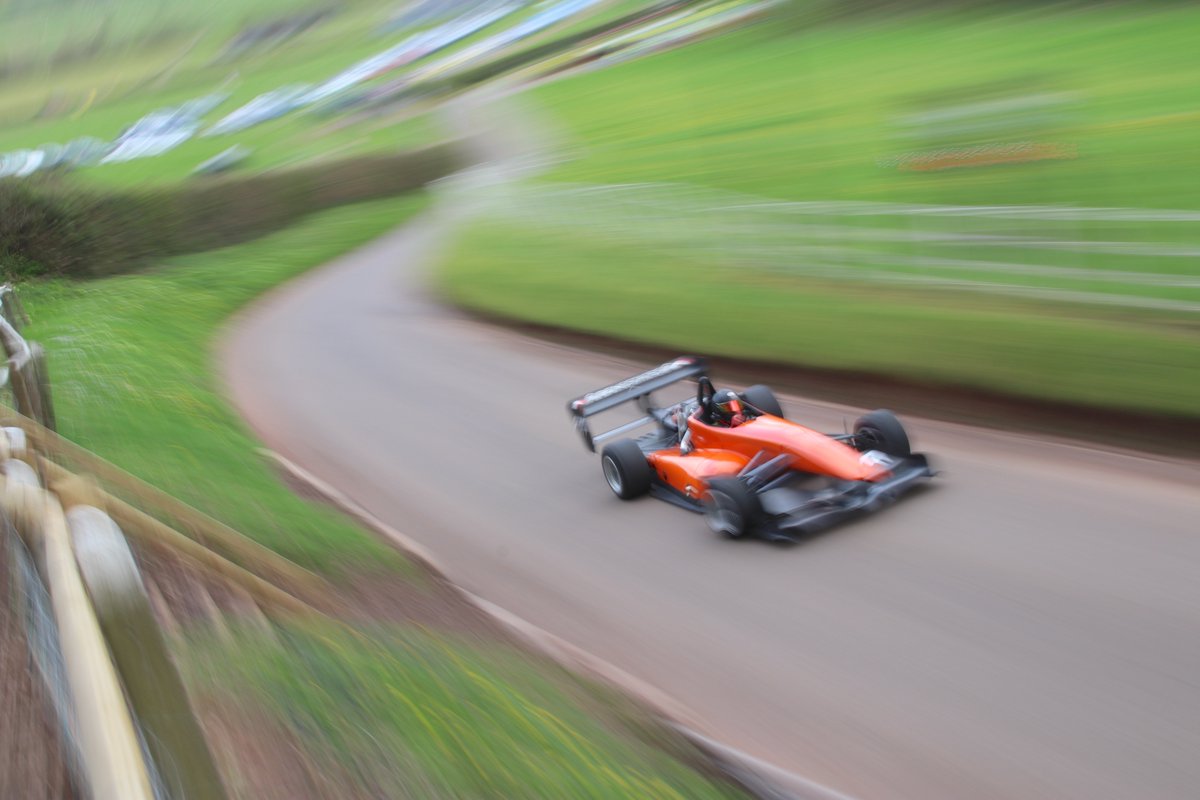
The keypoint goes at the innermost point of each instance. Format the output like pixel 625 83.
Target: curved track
pixel 1029 627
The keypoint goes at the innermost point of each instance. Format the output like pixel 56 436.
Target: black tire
pixel 763 399
pixel 880 430
pixel 730 508
pixel 626 470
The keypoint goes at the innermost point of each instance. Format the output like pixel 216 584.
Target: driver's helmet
pixel 726 405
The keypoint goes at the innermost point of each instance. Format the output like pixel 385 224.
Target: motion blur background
pixel 988 204
pixel 983 195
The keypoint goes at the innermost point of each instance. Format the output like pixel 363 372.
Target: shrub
pixel 50 227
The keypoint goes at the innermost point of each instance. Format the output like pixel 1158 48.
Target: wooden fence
pixel 133 735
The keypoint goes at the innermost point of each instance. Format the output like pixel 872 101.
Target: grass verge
pixel 130 361
pixel 816 115
pixel 402 713
pixel 396 711
pixel 605 287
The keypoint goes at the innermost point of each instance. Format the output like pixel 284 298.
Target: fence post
pixel 111 757
pixel 201 528
pixel 149 531
pixel 11 308
pixel 27 374
pixel 155 689
pixel 41 382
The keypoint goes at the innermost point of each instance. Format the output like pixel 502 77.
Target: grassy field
pixel 142 45
pixel 131 364
pixel 104 97
pixel 696 212
pixel 694 307
pixel 419 712
pixel 416 712
pixel 38 31
pixel 133 75
pixel 395 712
pixel 402 711
pixel 809 115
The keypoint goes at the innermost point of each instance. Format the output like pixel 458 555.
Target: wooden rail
pixel 108 745
pixel 118 668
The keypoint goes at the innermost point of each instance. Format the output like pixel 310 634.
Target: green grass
pixel 102 97
pixel 131 77
pixel 605 287
pixel 401 713
pixel 809 115
pixel 36 30
pixel 83 89
pixel 396 712
pixel 150 42
pixel 131 362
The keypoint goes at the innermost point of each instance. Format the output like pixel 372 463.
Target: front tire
pixel 730 508
pixel 763 399
pixel 626 470
pixel 880 430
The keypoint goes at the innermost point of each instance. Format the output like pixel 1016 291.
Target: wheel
pixel 880 430
pixel 626 469
pixel 763 399
pixel 730 508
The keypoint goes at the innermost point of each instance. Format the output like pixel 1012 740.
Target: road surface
pixel 1029 627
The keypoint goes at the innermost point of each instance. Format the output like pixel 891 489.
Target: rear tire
pixel 730 508
pixel 626 470
pixel 880 430
pixel 763 399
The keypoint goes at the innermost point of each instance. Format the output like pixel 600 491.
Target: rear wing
pixel 634 388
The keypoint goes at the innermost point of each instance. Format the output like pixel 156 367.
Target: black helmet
pixel 726 403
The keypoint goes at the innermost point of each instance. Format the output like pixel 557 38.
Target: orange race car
pixel 734 457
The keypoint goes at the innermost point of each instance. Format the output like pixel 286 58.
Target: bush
pixel 49 227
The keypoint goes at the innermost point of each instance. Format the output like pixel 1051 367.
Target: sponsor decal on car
pixel 874 458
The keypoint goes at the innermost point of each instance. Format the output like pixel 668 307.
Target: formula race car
pixel 734 457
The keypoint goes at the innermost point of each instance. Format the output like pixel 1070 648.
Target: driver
pixel 727 409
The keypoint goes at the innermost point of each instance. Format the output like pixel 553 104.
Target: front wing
pixel 793 509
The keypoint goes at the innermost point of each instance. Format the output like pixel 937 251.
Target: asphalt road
pixel 1029 627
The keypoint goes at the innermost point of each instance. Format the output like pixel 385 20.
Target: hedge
pixel 49 227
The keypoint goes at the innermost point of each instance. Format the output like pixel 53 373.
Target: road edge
pixel 759 778
pixel 1149 433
